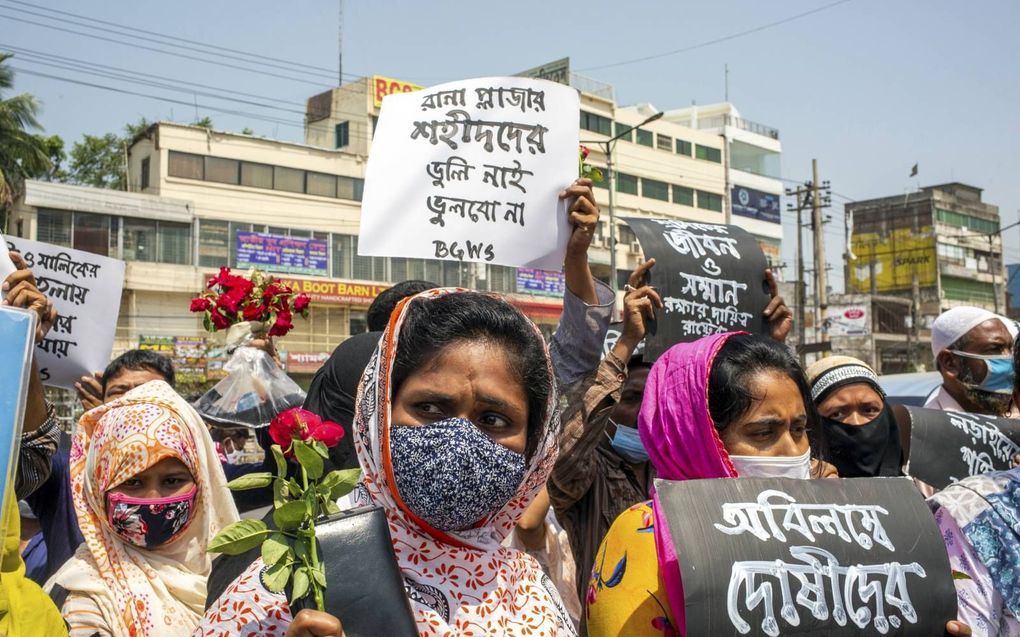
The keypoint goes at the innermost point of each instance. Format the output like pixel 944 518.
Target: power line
pixel 725 38
pixel 170 100
pixel 172 37
pixel 163 51
pixel 21 52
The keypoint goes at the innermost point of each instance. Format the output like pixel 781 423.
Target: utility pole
pixel 819 200
pixel 802 195
pixel 340 45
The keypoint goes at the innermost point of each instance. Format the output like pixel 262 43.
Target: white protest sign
pixel 85 288
pixel 472 171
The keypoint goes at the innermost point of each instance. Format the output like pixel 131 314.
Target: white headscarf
pixel 952 325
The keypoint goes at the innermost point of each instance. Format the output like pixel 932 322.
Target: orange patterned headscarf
pixel 143 592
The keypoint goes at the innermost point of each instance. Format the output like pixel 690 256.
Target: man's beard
pixel 985 402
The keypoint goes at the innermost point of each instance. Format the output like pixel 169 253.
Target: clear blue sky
pixel 869 87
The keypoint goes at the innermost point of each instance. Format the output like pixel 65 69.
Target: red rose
pixel 254 312
pixel 219 321
pixel 301 302
pixel 201 304
pixel 284 323
pixel 272 290
pixel 328 433
pixel 220 278
pixel 228 303
pixel 584 152
pixel 293 424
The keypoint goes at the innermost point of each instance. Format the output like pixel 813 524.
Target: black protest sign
pixel 797 557
pixel 711 279
pixel 613 334
pixel 946 446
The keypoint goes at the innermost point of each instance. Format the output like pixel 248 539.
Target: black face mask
pixel 865 451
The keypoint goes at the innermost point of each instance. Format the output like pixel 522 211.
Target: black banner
pixel 797 557
pixel 711 279
pixel 946 446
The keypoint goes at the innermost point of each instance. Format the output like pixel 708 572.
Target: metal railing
pixel 752 127
pixel 592 87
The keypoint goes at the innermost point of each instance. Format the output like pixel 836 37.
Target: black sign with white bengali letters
pixel 711 279
pixel 808 557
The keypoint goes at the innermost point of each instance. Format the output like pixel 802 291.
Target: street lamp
pixel 607 148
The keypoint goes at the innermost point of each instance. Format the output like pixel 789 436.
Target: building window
pixel 708 153
pixel 683 196
pixel 664 142
pixel 625 131
pixel 596 123
pixel 983 226
pixel 322 184
pixel 154 241
pixel 343 134
pixel 654 189
pixel 289 179
pixel 709 201
pixel 140 240
pixel 54 226
pixel 626 183
pixel 256 175
pixel 224 171
pixel 145 173
pixel 175 244
pixel 186 165
pixel 342 256
pixel 213 243
pixel 683 148
pixel 350 188
pixel 92 233
pixel 968 290
pixel 645 138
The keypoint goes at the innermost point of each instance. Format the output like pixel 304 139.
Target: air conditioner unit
pixel 635 247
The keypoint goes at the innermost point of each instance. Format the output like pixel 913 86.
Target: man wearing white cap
pixel 972 349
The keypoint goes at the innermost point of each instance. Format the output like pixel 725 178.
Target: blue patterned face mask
pixel 999 375
pixel 450 474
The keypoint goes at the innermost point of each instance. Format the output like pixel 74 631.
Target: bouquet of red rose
pixel 257 306
pixel 230 299
pixel 291 552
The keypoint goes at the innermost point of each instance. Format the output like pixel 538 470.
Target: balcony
pixel 751 127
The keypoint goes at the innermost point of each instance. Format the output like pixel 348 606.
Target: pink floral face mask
pixel 150 522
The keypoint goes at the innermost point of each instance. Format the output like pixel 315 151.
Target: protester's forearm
pixel 578 277
pixel 35 405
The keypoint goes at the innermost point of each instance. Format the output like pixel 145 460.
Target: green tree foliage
pixel 23 155
pixel 98 160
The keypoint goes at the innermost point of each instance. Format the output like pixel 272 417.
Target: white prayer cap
pixel 952 324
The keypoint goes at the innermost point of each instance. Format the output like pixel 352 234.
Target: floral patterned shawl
pixel 143 592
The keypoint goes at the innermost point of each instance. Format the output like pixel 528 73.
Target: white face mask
pixel 234 455
pixel 798 467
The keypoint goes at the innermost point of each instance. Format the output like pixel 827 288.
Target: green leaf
pixel 595 174
pixel 239 537
pixel 348 479
pixel 960 575
pixel 320 448
pixel 276 548
pixel 303 549
pixel 275 579
pixel 251 481
pixel 294 487
pixel 319 575
pixel 281 461
pixel 301 584
pixel 331 507
pixel 290 515
pixel 207 323
pixel 309 459
pixel 280 493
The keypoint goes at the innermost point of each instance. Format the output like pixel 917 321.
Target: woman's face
pixel 856 404
pixel 472 380
pixel 776 423
pixel 166 478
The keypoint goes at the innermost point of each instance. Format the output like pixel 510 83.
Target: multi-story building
pixel 940 246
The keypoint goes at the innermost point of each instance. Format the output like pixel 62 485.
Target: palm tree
pixel 21 153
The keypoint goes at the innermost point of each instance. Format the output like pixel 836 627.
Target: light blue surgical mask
pixel 627 443
pixel 999 375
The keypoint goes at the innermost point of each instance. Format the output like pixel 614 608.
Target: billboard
pixel 847 320
pixel 897 256
pixel 755 204
pixel 335 292
pixel 383 86
pixel 278 253
pixel 557 71
pixel 541 282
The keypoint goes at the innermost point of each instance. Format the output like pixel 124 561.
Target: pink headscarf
pixel 677 431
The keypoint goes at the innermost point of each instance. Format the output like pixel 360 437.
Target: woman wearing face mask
pixel 456 431
pixel 149 494
pixel 861 434
pixel 757 421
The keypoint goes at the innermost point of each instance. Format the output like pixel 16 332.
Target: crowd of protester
pixel 512 473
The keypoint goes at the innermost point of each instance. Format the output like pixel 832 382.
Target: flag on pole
pixel 913 171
